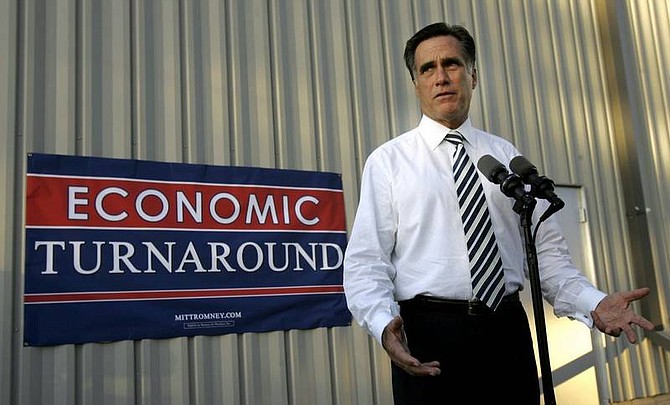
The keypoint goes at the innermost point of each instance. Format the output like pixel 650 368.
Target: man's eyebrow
pixel 444 62
pixel 426 66
pixel 452 61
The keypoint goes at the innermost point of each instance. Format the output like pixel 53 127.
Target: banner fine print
pixel 119 249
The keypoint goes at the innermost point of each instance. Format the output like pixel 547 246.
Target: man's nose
pixel 442 76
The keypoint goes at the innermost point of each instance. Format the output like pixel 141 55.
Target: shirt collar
pixel 433 132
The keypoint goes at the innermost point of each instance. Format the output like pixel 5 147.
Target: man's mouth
pixel 444 95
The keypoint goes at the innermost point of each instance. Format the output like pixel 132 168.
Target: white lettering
pixel 240 257
pixel 287 219
pixel 100 209
pixel 152 251
pixel 125 258
pixel 122 257
pixel 196 212
pixel 73 201
pixel 220 258
pixel 76 257
pixel 298 213
pixel 271 257
pixel 191 256
pixel 207 316
pixel 223 208
pixel 254 207
pixel 215 214
pixel 324 256
pixel 300 252
pixel 49 246
pixel 140 210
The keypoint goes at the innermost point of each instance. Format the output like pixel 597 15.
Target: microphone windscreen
pixel 521 166
pixel 490 166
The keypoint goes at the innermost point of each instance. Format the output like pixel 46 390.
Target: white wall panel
pixel 107 374
pixel 315 85
pixel 206 82
pixel 293 84
pixel 651 42
pixel 646 45
pixel 249 60
pixel 48 29
pixel 367 73
pixel 156 70
pixel 103 79
pixel 333 102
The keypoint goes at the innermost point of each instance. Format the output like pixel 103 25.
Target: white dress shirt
pixel 407 237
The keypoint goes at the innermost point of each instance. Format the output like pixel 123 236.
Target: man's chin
pixel 450 119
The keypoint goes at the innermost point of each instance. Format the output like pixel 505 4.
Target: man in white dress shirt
pixel 406 268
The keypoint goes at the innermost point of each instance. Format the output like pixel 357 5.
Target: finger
pixel 399 353
pixel 405 360
pixel 637 294
pixel 413 366
pixel 644 323
pixel 426 369
pixel 630 334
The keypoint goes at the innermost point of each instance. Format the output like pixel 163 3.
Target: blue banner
pixel 122 249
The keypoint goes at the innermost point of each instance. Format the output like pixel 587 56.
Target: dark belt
pixel 454 307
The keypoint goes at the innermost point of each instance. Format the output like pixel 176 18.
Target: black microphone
pixel 540 186
pixel 510 184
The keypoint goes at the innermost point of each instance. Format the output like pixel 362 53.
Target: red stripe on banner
pixel 55 298
pixel 87 202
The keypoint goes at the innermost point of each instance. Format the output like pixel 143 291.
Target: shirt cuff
pixel 378 324
pixel 586 302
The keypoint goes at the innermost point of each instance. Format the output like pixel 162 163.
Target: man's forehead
pixel 443 47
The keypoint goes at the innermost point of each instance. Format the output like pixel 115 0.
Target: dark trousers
pixel 484 359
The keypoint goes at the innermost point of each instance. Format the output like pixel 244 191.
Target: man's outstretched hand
pixel 394 342
pixel 614 314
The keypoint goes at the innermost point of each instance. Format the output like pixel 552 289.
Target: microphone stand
pixel 524 207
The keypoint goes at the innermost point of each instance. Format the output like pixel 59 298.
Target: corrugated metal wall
pixel 316 85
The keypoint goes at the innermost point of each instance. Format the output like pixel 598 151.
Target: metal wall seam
pixel 10 139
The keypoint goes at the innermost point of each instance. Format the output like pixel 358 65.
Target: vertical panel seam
pixel 19 159
pixel 134 92
pixel 230 72
pixel 510 88
pixel 78 88
pixel 387 76
pixel 582 87
pixel 186 136
pixel 533 76
pixel 354 105
pixel 273 86
pixel 559 76
pixel 318 113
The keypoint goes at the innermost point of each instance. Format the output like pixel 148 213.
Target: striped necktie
pixel 488 282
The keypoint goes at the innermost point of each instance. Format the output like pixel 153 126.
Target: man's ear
pixel 474 78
